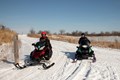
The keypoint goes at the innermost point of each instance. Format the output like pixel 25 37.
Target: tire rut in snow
pixel 76 69
pixel 81 72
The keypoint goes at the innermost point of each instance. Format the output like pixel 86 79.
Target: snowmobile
pixel 40 52
pixel 84 51
pixel 39 56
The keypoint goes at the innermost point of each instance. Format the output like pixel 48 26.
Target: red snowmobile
pixel 40 53
pixel 39 56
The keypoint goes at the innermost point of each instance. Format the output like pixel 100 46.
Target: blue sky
pixel 54 15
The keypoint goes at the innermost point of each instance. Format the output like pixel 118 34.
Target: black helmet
pixel 83 34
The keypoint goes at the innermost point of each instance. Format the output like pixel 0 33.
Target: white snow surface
pixel 107 66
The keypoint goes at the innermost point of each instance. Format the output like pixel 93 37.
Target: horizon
pixel 55 15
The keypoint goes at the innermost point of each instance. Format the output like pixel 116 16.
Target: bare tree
pixel 32 31
pixel 39 32
pixel 62 31
pixel 2 27
pixel 47 31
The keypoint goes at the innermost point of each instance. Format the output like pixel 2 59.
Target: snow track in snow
pixel 81 72
pixel 105 68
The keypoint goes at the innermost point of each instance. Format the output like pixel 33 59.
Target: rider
pixel 44 39
pixel 83 38
pixel 44 42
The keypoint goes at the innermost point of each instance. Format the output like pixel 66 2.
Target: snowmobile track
pixel 69 77
pixel 81 72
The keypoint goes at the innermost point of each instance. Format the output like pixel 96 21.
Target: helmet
pixel 43 33
pixel 83 34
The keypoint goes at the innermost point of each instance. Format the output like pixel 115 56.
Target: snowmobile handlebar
pixel 33 44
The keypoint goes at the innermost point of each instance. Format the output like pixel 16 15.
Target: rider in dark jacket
pixel 83 38
pixel 44 39
pixel 84 41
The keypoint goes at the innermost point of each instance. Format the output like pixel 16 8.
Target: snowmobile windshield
pixel 84 42
pixel 41 44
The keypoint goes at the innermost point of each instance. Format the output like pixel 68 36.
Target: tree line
pixel 78 33
pixel 73 33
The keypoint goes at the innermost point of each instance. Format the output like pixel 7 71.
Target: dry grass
pixel 6 36
pixel 72 39
pixel 115 45
pixel 69 39
pixel 34 35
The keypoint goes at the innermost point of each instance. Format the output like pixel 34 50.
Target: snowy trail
pixel 107 66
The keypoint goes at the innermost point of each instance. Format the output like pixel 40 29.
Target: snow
pixel 103 38
pixel 107 66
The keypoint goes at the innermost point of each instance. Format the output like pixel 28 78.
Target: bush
pixel 6 35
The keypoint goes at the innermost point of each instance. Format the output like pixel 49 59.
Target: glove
pixel 33 44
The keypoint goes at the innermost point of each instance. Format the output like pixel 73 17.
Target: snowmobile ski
pixel 74 61
pixel 47 67
pixel 94 59
pixel 18 66
pixel 25 66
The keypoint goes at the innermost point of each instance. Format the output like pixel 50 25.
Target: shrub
pixel 6 35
